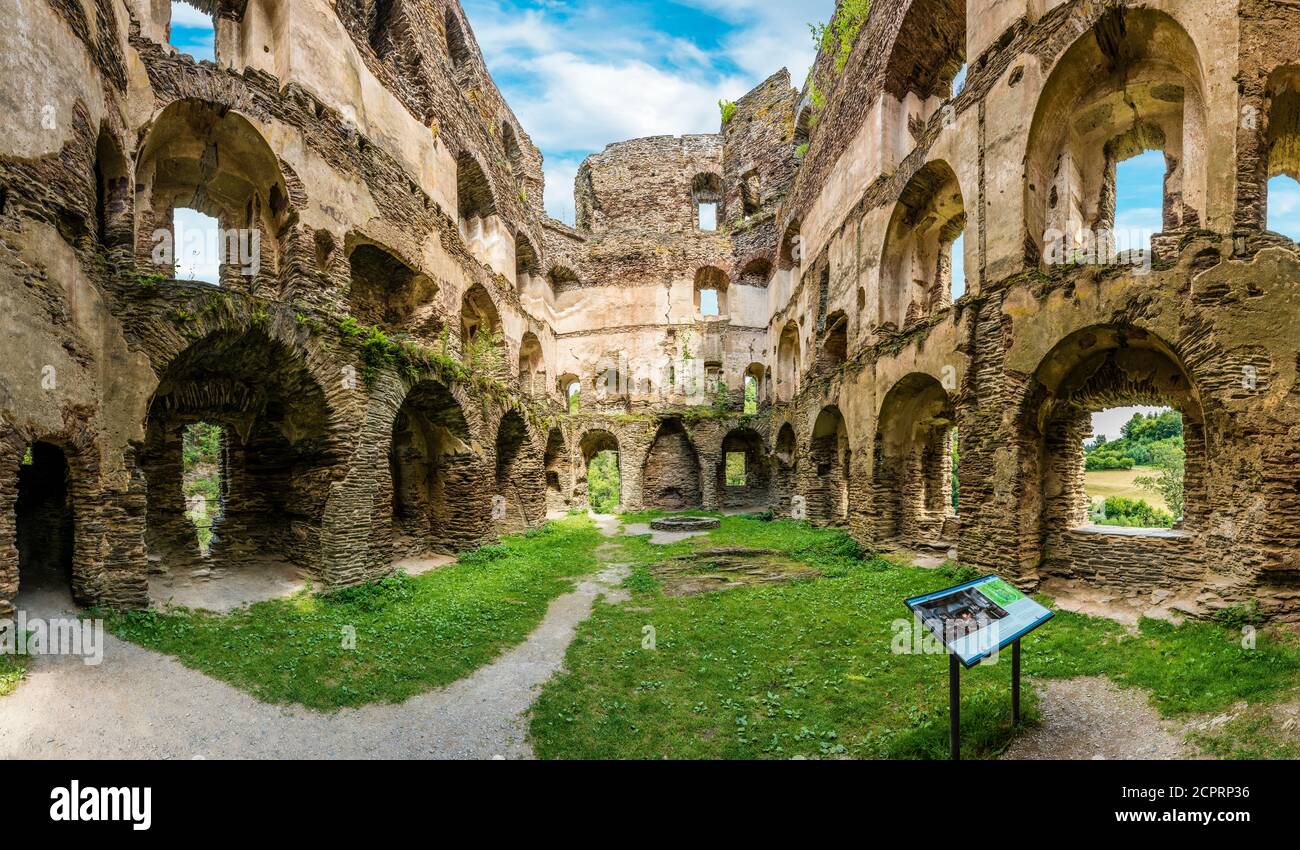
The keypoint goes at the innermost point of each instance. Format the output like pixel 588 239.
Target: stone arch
pixel 205 156
pixel 558 467
pixel 56 535
pixel 785 461
pixel 439 482
pixel 520 475
pixel 281 451
pixel 1090 370
pixel 388 292
pixel 912 463
pixel 532 365
pixel 1282 142
pixel 758 373
pixel 756 272
pixel 562 277
pixel 114 197
pixel 671 472
pixel 457 45
pixel 474 196
pixel 925 55
pixel 1135 82
pixel 828 479
pixel 787 362
pixel 835 343
pixel 528 265
pixel 916 261
pixel 748 444
pixel 707 188
pixel 593 442
pixel 711 278
pixel 927 51
pixel 480 326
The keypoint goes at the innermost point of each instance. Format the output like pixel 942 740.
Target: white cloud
pixel 584 75
pixel 185 15
pixel 585 104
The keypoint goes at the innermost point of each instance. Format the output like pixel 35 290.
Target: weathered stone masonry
pixel 392 187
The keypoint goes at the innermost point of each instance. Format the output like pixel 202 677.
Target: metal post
pixel 954 708
pixel 1015 681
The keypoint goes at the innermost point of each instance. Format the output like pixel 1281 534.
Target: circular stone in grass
pixel 684 523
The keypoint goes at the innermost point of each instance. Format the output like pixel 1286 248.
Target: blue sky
pixel 582 74
pixel 192 31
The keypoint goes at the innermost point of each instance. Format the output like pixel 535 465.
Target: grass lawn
pixel 412 633
pixel 12 668
pixel 775 671
pixel 1104 483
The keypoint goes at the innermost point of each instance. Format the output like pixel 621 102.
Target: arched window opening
pixel 390 294
pixel 914 471
pixel 192 31
pixel 752 391
pixel 756 272
pixel 711 292
pixel 114 197
pixel 510 144
pixel 706 193
pixel 520 477
pixel 787 362
pixel 1283 198
pixel 483 344
pixel 558 472
pixel 916 265
pixel 803 126
pixel 238 438
pixel 1133 85
pixel 528 267
pixel 671 476
pixel 441 495
pixel 602 479
pixel 214 165
pixel 828 486
pixel 835 351
pixel 921 72
pixel 751 193
pixel 745 471
pixel 562 278
pixel 1066 501
pixel 473 190
pixel 571 389
pixel 457 46
pixel 532 369
pixel 45 524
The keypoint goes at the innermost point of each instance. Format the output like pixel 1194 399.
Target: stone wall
pixel 398 204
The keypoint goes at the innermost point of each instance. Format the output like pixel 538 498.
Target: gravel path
pixel 141 704
pixel 1091 717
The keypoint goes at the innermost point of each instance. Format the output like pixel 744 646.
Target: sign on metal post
pixel 974 621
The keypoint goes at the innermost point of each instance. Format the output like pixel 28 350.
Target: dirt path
pixel 1091 717
pixel 141 704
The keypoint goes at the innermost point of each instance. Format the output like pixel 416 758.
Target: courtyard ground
pixel 762 639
